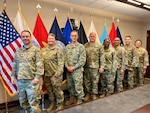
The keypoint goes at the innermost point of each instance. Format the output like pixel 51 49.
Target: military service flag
pixel 10 41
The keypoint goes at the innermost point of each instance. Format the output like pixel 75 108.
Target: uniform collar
pixel 27 46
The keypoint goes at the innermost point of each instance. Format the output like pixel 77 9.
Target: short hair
pixel 106 39
pixel 74 31
pixel 128 36
pixel 26 31
pixel 52 34
pixel 138 40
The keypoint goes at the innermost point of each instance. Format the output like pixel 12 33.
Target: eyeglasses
pixel 74 35
pixel 25 36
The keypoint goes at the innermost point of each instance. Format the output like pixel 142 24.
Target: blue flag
pixel 104 34
pixel 119 35
pixel 66 32
pixel 82 35
pixel 55 29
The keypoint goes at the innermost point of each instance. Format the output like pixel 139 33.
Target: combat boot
pixel 94 97
pixel 60 106
pixel 79 101
pixel 72 100
pixel 38 110
pixel 87 96
pixel 103 94
pixel 51 107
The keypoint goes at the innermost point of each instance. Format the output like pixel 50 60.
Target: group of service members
pixel 91 69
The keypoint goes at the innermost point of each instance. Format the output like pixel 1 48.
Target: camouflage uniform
pixel 27 66
pixel 108 76
pixel 94 60
pixel 121 56
pixel 53 66
pixel 132 62
pixel 75 55
pixel 143 61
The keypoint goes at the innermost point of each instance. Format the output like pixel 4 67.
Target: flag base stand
pixel 6 102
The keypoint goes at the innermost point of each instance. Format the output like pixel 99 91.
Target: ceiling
pixel 114 6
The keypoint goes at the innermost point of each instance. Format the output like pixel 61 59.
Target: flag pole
pixel 81 17
pixel 42 95
pixel 6 101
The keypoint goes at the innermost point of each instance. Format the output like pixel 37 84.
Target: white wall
pixel 136 27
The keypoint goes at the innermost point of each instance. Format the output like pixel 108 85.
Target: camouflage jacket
pixel 121 56
pixel 53 59
pixel 94 55
pixel 75 55
pixel 143 57
pixel 132 56
pixel 27 63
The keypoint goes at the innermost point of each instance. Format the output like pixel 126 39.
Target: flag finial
pixel 19 6
pixel 4 3
pixel 118 21
pixel 55 9
pixel 113 18
pixel 68 13
pixel 80 16
pixel 91 16
pixel 38 7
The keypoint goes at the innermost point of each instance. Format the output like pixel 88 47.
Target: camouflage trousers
pixel 139 76
pixel 107 81
pixel 75 83
pixel 91 79
pixel 119 81
pixel 53 86
pixel 129 78
pixel 28 95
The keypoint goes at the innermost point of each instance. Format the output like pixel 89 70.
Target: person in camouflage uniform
pixel 121 55
pixel 53 59
pixel 108 76
pixel 27 71
pixel 94 64
pixel 75 58
pixel 132 62
pixel 143 63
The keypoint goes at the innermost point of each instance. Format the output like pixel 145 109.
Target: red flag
pixel 10 41
pixel 40 31
pixel 112 34
pixel 41 35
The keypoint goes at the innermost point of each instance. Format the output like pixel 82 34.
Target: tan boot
pixel 60 106
pixel 38 110
pixel 94 97
pixel 51 107
pixel 79 101
pixel 72 100
pixel 102 95
pixel 87 96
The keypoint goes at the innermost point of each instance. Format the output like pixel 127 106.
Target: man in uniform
pixel 121 55
pixel 27 71
pixel 94 64
pixel 133 61
pixel 53 67
pixel 143 63
pixel 75 58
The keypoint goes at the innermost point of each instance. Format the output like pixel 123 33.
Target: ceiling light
pixel 134 2
pixel 146 6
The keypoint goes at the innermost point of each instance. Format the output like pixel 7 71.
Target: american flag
pixel 10 41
